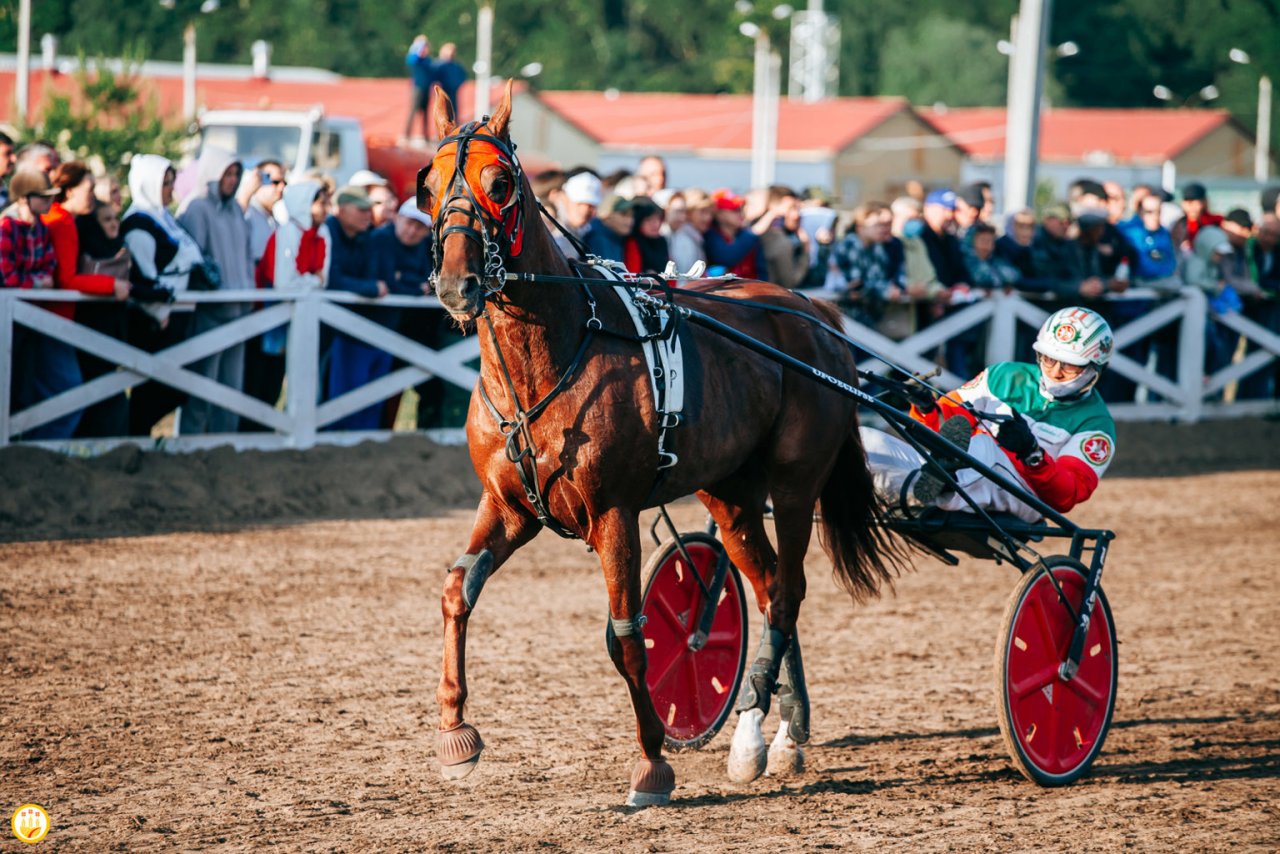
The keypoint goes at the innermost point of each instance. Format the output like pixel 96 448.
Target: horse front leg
pixel 616 539
pixel 498 531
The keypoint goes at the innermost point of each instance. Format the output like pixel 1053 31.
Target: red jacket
pixel 66 248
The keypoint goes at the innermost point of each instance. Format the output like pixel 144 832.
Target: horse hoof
pixel 786 758
pixel 651 783
pixel 459 751
pixel 747 754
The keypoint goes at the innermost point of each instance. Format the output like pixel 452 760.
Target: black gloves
pixel 150 293
pixel 922 397
pixel 1016 437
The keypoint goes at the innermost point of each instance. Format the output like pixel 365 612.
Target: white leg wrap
pixel 786 758
pixel 747 754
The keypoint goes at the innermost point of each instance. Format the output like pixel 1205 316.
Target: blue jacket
pixel 722 252
pixel 450 74
pixel 602 240
pixel 356 267
pixel 1156 256
pixel 422 69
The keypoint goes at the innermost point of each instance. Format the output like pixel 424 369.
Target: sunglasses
pixel 1068 370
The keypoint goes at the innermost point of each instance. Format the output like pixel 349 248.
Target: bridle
pixel 497 228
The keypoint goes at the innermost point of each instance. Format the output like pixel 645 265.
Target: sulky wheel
pixel 693 690
pixel 1054 729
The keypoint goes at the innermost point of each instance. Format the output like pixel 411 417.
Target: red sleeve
pixel 66 248
pixel 1062 483
pixel 947 408
pixel 631 255
pixel 264 274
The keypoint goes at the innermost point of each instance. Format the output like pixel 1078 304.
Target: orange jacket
pixel 66 248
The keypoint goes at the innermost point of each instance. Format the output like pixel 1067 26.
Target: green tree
pixel 942 59
pixel 108 117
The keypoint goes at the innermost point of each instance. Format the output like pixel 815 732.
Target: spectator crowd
pixel 899 265
pixel 895 266
pixel 241 226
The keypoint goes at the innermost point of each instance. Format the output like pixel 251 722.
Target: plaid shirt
pixel 25 252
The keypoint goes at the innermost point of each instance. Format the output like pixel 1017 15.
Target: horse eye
pixel 500 186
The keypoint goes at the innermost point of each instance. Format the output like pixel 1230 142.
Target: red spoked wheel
pixel 693 690
pixel 1053 728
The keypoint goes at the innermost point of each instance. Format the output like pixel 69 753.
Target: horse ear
pixel 423 191
pixel 502 114
pixel 442 113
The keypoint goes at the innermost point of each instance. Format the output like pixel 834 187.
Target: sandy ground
pixel 275 687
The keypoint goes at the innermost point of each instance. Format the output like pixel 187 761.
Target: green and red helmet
pixel 1076 336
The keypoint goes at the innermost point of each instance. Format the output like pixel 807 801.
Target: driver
pixel 1058 440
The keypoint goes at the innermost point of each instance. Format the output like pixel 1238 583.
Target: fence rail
pixel 1193 395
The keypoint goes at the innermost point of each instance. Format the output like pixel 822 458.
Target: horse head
pixel 474 191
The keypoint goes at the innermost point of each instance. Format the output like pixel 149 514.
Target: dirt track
pixel 194 691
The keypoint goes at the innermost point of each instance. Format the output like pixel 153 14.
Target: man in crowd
pixel 449 73
pixel 1195 204
pixel 607 233
pixel 970 202
pixel 39 156
pixel 216 221
pixel 653 171
pixel 263 375
pixel 7 158
pixel 581 197
pixel 356 268
pixel 944 248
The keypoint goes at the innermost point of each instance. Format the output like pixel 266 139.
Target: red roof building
pixel 859 148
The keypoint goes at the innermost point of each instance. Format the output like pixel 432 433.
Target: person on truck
pixel 422 72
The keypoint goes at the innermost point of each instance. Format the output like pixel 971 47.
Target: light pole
pixel 23 94
pixel 1204 93
pixel 484 57
pixel 1262 141
pixel 189 56
pixel 1022 122
pixel 765 91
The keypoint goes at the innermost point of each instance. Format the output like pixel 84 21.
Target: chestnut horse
pixel 563 432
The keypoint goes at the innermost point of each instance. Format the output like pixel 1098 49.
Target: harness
pixel 498 230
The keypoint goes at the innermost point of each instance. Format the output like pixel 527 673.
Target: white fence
pixel 1193 396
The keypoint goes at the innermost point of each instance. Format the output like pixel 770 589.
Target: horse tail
pixel 863 554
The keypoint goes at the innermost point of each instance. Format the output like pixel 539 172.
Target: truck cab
pixel 300 140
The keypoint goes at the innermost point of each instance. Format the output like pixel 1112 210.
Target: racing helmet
pixel 1076 336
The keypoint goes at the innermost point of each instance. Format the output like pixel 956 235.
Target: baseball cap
pixel 354 196
pixel 613 203
pixel 972 196
pixel 1091 216
pixel 583 188
pixel 367 178
pixel 727 200
pixel 30 182
pixel 1240 217
pixel 409 209
pixel 1194 192
pixel 1058 210
pixel 945 198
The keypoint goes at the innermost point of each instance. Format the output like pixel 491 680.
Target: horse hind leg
pixel 786 754
pixel 748 757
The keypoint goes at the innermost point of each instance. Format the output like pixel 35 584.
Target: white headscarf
pixel 293 213
pixel 146 184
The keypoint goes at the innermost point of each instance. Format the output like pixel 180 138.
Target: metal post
pixel 302 369
pixel 22 97
pixel 1262 145
pixel 189 72
pixel 484 57
pixel 1191 353
pixel 1022 129
pixel 760 111
pixel 772 94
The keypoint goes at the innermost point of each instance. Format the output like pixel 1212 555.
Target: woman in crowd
pixel 74 183
pixel 163 257
pixel 687 241
pixel 645 250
